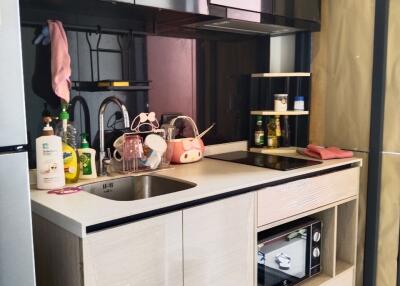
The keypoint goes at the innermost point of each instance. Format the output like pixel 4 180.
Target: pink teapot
pixel 187 150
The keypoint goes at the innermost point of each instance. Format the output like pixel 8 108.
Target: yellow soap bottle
pixel 70 153
pixel 71 167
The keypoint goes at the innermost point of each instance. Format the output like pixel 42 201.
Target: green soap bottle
pixel 87 161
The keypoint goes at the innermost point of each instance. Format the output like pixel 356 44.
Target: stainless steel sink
pixel 136 187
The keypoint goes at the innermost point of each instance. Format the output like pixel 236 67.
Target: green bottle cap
pixel 64 115
pixel 84 142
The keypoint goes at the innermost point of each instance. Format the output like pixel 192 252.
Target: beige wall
pixel 342 74
pixel 341 86
pixel 390 194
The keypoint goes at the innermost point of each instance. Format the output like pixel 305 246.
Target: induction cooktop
pixel 275 162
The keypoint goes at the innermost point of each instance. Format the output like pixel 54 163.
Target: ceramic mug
pixel 118 145
pixel 136 145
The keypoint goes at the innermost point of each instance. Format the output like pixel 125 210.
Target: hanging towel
pixel 60 61
pixel 326 153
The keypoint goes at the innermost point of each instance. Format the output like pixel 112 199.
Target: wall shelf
pixel 292 74
pixel 271 112
pixel 94 86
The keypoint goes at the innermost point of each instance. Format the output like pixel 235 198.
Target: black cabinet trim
pixel 376 142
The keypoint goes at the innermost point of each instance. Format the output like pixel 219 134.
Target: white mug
pixel 118 145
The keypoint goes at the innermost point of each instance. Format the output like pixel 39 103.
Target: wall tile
pixel 392 114
pixel 342 72
pixel 389 221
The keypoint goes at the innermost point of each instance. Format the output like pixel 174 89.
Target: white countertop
pixel 74 212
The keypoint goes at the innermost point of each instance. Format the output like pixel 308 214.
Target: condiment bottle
pixel 259 135
pixel 272 140
pixel 278 131
pixel 285 142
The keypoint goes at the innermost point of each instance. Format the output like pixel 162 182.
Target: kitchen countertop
pixel 75 212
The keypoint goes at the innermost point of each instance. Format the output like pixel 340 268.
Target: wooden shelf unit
pixel 290 74
pixel 280 113
pixel 262 88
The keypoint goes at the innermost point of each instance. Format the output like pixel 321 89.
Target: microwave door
pixel 286 259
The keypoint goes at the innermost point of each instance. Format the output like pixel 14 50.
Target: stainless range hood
pixel 244 27
pixel 250 17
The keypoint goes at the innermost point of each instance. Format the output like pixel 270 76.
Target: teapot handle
pixel 192 123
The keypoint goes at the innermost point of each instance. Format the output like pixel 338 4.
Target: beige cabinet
pixel 218 243
pixel 147 252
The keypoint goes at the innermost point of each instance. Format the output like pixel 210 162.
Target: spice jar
pixel 299 103
pixel 280 102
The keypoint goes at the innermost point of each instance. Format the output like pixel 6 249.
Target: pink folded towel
pixel 326 153
pixel 60 60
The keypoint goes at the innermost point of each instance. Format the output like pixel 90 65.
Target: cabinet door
pixel 219 243
pixel 147 252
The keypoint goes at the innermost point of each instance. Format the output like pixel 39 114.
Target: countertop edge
pixel 80 228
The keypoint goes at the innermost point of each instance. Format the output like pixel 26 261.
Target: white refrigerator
pixel 16 242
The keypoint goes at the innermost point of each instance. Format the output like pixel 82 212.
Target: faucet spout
pixel 102 110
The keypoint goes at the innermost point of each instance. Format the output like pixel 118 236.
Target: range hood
pixel 184 18
pixel 250 17
pixel 244 27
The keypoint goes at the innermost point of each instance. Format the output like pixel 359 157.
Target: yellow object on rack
pixel 112 83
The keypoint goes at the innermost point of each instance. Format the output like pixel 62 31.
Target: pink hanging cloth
pixel 60 60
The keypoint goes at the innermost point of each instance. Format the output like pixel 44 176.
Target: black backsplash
pixel 224 62
pixel 223 85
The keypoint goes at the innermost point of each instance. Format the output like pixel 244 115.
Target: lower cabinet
pixel 144 253
pixel 219 243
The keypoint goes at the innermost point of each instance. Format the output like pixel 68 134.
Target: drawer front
pixel 286 200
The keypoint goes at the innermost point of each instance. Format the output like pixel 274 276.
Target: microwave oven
pixel 289 254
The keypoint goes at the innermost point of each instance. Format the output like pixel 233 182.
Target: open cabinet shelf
pixel 338 250
pixel 342 266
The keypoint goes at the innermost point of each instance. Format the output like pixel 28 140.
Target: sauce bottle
pixel 259 135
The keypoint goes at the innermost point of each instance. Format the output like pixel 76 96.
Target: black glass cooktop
pixel 265 161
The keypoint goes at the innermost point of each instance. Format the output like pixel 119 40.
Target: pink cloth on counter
pixel 60 60
pixel 326 153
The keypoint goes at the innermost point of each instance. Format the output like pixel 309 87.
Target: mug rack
pixel 136 155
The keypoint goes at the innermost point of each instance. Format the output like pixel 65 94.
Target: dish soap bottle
pixel 87 162
pixel 68 133
pixel 49 159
